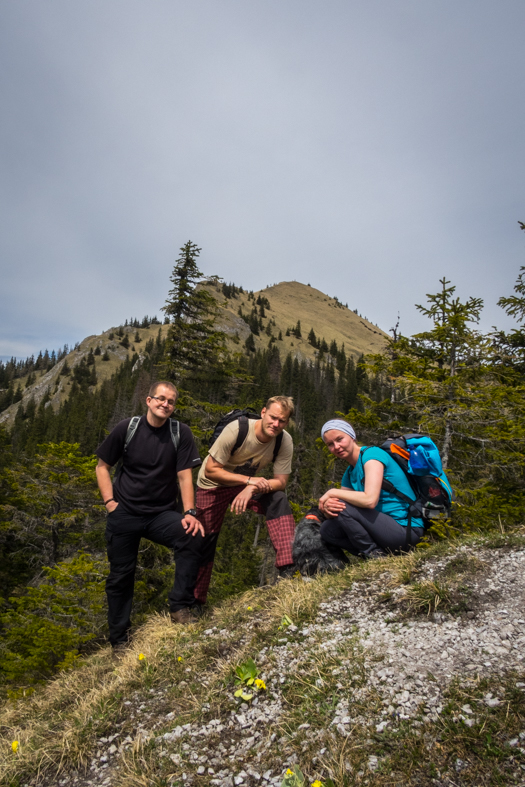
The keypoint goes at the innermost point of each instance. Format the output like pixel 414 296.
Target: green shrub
pixel 47 626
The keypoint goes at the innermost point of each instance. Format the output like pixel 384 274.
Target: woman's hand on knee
pixel 330 504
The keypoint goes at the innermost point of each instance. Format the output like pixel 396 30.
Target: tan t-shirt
pixel 249 458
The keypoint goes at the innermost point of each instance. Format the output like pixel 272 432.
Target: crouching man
pixel 228 475
pixel 142 502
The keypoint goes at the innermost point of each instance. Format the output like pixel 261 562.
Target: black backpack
pixel 242 416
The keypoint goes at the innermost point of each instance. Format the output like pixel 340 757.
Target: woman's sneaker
pixel 375 554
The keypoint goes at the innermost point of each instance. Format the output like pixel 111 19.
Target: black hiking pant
pixel 361 530
pixel 123 534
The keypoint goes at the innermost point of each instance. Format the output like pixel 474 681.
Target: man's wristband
pixel 191 512
pixel 109 500
pixel 248 481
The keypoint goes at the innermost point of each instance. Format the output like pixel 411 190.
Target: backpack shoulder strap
pixel 388 486
pixel 132 428
pixel 277 446
pixel 243 432
pixel 175 433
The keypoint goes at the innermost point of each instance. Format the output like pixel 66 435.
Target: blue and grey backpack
pixel 418 456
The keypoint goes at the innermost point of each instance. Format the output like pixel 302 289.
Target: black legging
pixel 360 530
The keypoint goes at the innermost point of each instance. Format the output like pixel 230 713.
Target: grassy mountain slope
pixel 289 302
pixel 367 680
pixel 59 385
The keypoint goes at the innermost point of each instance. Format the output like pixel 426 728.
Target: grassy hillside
pixel 59 385
pixel 289 302
pixel 367 679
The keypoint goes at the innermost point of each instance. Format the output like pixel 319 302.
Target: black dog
pixel 311 554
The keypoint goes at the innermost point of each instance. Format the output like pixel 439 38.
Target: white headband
pixel 340 425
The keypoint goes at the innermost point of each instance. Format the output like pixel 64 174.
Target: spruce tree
pixel 510 347
pixel 250 343
pixel 194 346
pixel 457 353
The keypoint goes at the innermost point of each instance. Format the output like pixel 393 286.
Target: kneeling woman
pixel 362 517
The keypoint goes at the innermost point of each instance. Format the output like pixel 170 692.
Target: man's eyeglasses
pixel 163 400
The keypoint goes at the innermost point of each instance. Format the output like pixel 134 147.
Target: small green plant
pixel 246 675
pixel 293 777
pixel 426 596
pixel 285 622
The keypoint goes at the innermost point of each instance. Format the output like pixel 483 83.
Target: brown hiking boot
pixel 182 616
pixel 119 650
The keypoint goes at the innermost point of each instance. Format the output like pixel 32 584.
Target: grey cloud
pixel 368 148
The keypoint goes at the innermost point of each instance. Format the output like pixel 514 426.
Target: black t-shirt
pixel 147 482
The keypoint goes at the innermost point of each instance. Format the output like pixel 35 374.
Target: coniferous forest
pixel 463 387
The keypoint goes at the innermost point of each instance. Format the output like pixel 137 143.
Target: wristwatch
pixel 191 512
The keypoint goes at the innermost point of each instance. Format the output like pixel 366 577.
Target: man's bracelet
pixel 109 500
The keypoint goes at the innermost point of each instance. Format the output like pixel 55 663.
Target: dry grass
pixel 292 301
pixel 57 728
pixel 105 369
pixel 59 724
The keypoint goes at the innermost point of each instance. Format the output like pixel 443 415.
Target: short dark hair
pixel 154 387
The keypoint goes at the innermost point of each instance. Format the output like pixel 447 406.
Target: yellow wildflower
pixel 14 746
pixel 317 783
pixel 250 609
pixel 179 658
pixel 141 656
pixel 289 772
pixel 260 683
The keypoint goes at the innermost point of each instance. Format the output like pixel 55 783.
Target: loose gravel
pixel 407 665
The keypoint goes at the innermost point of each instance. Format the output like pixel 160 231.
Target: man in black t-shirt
pixel 142 502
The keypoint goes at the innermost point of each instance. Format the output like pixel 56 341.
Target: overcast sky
pixel 368 147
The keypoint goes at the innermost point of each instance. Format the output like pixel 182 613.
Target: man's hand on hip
pixel 191 525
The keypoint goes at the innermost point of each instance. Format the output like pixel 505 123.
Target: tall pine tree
pixel 194 348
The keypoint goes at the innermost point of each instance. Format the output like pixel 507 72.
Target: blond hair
pixel 286 402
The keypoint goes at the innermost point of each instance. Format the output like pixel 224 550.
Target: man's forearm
pixel 225 478
pixel 187 492
pixel 104 482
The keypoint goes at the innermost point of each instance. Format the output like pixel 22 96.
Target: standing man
pixel 142 502
pixel 228 476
